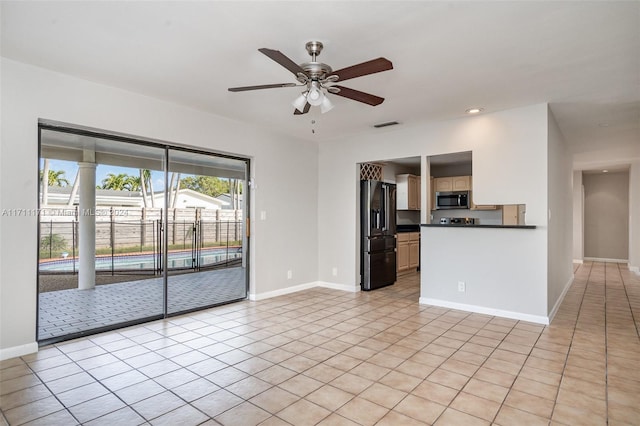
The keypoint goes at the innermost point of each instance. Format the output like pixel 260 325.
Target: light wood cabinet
pixel 453 183
pixel 461 183
pixel 407 192
pixel 408 251
pixel 474 206
pixel 414 250
pixel 443 184
pixel 432 195
pixel 513 214
pixel 402 252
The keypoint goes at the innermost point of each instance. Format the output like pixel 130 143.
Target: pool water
pixel 176 260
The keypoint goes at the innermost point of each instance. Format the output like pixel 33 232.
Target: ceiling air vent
pixel 388 123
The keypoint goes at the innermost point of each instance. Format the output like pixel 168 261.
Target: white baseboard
pixel 580 261
pixel 282 291
pixel 21 350
pixel 301 287
pixel 556 306
pixel 538 319
pixel 606 259
pixel 335 286
pixel 634 269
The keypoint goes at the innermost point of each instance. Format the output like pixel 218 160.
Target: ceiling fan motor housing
pixel 315 70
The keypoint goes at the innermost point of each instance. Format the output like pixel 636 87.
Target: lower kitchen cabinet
pixel 408 251
pixel 414 250
pixel 402 256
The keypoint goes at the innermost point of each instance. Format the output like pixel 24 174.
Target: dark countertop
pixel 438 225
pixel 407 228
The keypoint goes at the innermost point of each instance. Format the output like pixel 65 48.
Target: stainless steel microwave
pixel 452 200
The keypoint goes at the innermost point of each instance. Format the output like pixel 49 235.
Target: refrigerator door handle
pixel 385 207
pixel 375 219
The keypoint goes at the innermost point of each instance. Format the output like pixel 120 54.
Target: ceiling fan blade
pixel 306 109
pixel 359 96
pixel 370 67
pixel 280 58
pixel 264 86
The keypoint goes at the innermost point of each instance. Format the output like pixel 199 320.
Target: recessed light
pixel 474 110
pixel 603 124
pixel 605 171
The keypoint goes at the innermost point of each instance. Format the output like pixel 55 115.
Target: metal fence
pixel 137 245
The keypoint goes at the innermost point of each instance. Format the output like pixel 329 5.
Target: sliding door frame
pixel 167 147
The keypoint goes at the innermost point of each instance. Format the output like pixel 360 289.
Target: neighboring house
pixel 227 199
pixel 59 196
pixel 187 198
pixel 190 199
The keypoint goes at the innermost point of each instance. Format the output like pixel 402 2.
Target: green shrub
pixel 53 243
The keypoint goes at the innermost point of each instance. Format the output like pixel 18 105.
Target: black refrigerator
pixel 377 230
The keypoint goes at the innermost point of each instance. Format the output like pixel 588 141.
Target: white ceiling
pixel 581 57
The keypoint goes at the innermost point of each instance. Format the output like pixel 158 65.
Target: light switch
pixel 263 215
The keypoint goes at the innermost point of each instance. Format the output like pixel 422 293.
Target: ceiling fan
pixel 318 77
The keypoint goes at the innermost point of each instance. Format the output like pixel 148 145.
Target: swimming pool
pixel 148 261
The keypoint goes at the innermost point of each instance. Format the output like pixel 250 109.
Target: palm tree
pixel 150 182
pixel 74 189
pixel 144 187
pixel 45 182
pixel 174 199
pixel 132 183
pixel 118 182
pixel 146 182
pixel 55 177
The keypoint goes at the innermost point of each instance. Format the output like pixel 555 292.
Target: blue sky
pixel 70 169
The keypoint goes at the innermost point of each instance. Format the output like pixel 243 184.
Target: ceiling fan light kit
pixel 300 102
pixel 315 95
pixel 317 78
pixel 326 105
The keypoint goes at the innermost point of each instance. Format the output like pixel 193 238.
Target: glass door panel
pixel 206 237
pixel 99 229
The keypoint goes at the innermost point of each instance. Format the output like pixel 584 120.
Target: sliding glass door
pixel 205 237
pixel 132 231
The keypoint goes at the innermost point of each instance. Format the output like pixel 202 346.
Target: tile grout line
pixel 575 326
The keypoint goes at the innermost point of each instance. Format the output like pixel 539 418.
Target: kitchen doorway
pixel 403 176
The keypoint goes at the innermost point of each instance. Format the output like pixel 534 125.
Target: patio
pixel 73 311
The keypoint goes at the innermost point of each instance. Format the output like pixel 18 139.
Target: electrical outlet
pixel 289 274
pixel 462 287
pixel 334 271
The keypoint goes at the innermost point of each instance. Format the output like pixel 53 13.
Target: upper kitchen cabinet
pixel 453 183
pixel 474 206
pixel 407 192
pixel 513 214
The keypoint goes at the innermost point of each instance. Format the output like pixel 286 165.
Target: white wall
pixel 634 217
pixel 286 240
pixel 509 167
pixel 560 223
pixel 578 217
pixel 504 270
pixel 606 215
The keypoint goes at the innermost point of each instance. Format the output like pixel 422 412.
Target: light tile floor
pixel 66 312
pixel 328 357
